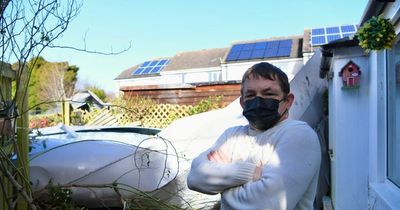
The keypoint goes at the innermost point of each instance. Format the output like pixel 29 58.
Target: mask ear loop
pixel 286 110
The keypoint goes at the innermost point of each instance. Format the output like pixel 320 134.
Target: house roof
pixel 185 60
pixel 208 58
pixel 81 98
pixel 205 58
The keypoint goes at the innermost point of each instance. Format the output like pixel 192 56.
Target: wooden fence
pixel 6 77
pixel 162 115
pixel 159 116
pixel 11 143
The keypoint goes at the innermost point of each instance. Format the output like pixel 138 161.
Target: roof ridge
pixel 207 49
pixel 275 38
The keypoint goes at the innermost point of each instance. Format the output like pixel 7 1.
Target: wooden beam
pixel 6 71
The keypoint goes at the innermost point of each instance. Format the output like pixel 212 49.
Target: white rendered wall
pixel 348 133
pixel 225 72
pixel 175 77
pixel 384 195
pixel 235 71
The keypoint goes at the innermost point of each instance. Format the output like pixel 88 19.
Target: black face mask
pixel 262 113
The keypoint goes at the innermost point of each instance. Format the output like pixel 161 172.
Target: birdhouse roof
pixel 350 63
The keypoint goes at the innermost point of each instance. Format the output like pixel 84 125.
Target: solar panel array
pixel 320 36
pixel 151 67
pixel 260 50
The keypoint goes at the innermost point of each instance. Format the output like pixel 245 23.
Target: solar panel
pixel 138 71
pixel 320 36
pixel 147 70
pixel 162 62
pixel 151 67
pixel 153 63
pixel 283 52
pixel 318 31
pixel 232 56
pixel 285 43
pixel 145 64
pixel 271 52
pixel 273 44
pixel 333 37
pixel 248 46
pixel 318 40
pixel 237 47
pixel 257 54
pixel 261 45
pixel 156 69
pixel 244 55
pixel 348 34
pixel 260 50
pixel 348 28
pixel 332 30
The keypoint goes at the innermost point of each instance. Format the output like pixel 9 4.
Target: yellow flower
pixel 375 34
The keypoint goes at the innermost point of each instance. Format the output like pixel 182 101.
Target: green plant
pixel 78 117
pixel 42 121
pixel 58 198
pixel 376 34
pixel 137 106
pixel 206 105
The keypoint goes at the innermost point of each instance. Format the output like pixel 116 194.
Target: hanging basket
pixel 376 34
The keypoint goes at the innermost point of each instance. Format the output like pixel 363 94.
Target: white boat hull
pixel 102 172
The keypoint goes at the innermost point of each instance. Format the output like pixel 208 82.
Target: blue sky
pixel 162 28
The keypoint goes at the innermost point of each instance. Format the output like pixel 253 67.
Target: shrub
pixel 42 121
pixel 207 104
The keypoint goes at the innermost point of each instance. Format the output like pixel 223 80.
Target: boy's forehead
pixel 260 83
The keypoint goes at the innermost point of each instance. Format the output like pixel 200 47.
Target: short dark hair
pixel 267 71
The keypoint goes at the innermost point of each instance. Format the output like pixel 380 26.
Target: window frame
pixel 390 75
pixel 381 188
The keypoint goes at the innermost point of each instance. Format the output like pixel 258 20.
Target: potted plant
pixel 376 34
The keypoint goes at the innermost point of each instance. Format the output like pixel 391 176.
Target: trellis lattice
pixel 159 116
pixel 162 115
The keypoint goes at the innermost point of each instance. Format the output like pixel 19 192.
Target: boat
pixel 101 165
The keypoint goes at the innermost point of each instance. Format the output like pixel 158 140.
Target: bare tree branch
pixel 93 51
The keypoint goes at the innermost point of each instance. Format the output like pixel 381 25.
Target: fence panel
pixel 162 115
pixel 159 116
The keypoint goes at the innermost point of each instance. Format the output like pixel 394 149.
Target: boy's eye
pixel 269 95
pixel 250 96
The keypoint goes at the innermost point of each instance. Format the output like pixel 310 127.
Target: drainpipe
pixel 325 63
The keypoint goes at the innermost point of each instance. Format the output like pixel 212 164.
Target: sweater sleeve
pixel 285 178
pixel 210 177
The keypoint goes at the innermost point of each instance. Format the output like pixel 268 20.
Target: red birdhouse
pixel 350 74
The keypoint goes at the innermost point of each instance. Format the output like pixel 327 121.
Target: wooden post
pixel 66 112
pixel 6 77
pixel 22 149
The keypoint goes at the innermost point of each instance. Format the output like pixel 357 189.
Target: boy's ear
pixel 290 99
pixel 241 102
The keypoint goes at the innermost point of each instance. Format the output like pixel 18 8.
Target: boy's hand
pixel 218 156
pixel 258 172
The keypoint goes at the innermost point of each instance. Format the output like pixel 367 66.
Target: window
pixel 393 116
pixel 215 76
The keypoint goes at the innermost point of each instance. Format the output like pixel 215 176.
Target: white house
pixel 188 77
pixel 364 120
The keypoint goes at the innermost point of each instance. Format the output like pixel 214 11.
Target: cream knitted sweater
pixel 290 155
